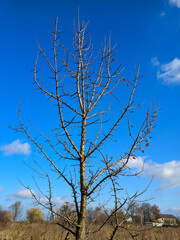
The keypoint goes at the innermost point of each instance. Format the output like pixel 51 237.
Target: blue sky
pixel 145 31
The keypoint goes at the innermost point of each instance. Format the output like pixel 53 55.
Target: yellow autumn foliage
pixel 34 215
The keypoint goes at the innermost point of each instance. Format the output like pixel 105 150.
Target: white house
pixel 167 219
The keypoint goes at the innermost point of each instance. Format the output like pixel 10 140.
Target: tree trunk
pixel 81 231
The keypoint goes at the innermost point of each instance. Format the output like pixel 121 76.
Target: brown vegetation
pixel 5 218
pixel 48 231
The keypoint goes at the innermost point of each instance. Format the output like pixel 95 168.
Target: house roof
pixel 167 216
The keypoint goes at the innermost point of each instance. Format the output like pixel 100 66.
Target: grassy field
pixel 48 231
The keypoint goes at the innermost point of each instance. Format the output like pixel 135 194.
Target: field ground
pixel 48 231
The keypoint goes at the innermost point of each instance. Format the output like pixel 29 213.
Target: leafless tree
pixel 16 209
pixel 79 86
pixel 120 217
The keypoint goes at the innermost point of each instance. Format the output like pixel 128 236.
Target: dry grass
pixel 48 231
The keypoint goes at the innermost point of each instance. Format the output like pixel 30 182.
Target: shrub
pixel 34 215
pixel 5 218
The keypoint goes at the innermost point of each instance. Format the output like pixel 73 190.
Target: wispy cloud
pixel 56 201
pixel 174 210
pixel 16 147
pixel 170 72
pixel 21 193
pixel 59 201
pixel 24 193
pixel 155 61
pixel 174 3
pixel 167 173
pixel 1 188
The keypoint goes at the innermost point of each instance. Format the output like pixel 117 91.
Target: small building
pixel 163 220
pixel 167 219
pixel 150 224
pixel 128 220
pixel 153 224
pixel 157 224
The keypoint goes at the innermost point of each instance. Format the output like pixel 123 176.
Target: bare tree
pixel 16 209
pixel 80 85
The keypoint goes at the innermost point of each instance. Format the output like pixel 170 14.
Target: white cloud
pixel 21 193
pixel 16 147
pixel 167 173
pixel 175 211
pixel 175 3
pixel 170 72
pixel 1 188
pixel 155 61
pixel 24 193
pixel 56 201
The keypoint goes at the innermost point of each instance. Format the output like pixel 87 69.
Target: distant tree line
pixel 144 212
pixel 139 213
